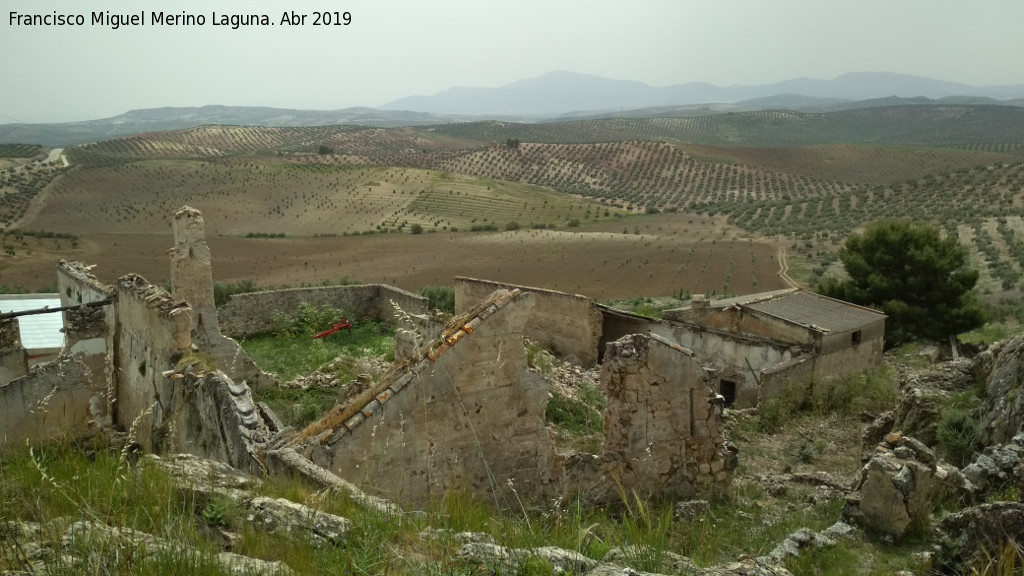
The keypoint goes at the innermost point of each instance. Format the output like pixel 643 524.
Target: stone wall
pixel 89 331
pixel 191 267
pixel 66 396
pixel 663 425
pixel 153 335
pixel 565 324
pixel 13 358
pixel 469 415
pixel 252 313
pixel 51 401
pixel 737 359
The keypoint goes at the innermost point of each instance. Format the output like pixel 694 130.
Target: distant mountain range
pixel 559 93
pixel 552 97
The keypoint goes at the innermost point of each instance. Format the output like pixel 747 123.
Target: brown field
pixel 670 255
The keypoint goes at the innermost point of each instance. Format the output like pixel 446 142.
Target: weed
pixel 573 416
pixel 439 297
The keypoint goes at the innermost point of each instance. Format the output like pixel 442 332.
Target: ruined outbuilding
pixel 751 344
pixel 467 413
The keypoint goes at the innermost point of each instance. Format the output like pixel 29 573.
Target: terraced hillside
pixel 983 128
pixel 266 197
pixel 958 166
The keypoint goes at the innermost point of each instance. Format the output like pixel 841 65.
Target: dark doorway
pixel 727 388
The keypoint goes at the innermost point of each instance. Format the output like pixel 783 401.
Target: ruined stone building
pixel 460 409
pixel 751 344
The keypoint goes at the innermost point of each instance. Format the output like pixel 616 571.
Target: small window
pixel 855 337
pixel 727 388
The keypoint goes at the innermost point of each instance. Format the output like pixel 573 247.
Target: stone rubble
pixel 995 467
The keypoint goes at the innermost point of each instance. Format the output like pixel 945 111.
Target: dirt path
pixel 35 205
pixel 784 269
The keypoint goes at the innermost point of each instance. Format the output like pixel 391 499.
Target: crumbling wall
pixel 734 357
pixel 469 415
pixel 746 356
pixel 252 313
pixel 191 270
pixel 565 324
pixel 663 425
pixel 153 335
pixel 407 301
pixel 66 396
pixel 212 416
pixel 13 358
pixel 49 402
pixel 89 332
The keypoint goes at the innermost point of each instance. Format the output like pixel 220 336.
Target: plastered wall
pixel 153 335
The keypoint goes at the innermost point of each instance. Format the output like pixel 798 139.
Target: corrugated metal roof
pixel 38 331
pixel 808 308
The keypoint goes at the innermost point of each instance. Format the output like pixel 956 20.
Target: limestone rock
pixel 994 467
pixel 192 470
pixel 979 533
pixel 281 516
pixel 616 570
pixel 1003 407
pixel 797 541
pixel 670 562
pixel 922 394
pixel 690 510
pixel 897 488
pixel 508 560
pixel 100 537
pixel 747 568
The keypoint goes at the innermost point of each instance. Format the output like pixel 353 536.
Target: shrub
pixel 439 297
pixel 416 229
pixel 958 435
pixel 512 226
pixel 224 290
pixel 307 321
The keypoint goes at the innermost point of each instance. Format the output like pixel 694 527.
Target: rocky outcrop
pixel 980 536
pixel 897 489
pixel 205 480
pixel 922 395
pixel 1002 410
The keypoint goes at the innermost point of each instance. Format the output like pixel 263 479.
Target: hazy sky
pixel 394 49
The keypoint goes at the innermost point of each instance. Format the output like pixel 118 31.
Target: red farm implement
pixel 344 324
